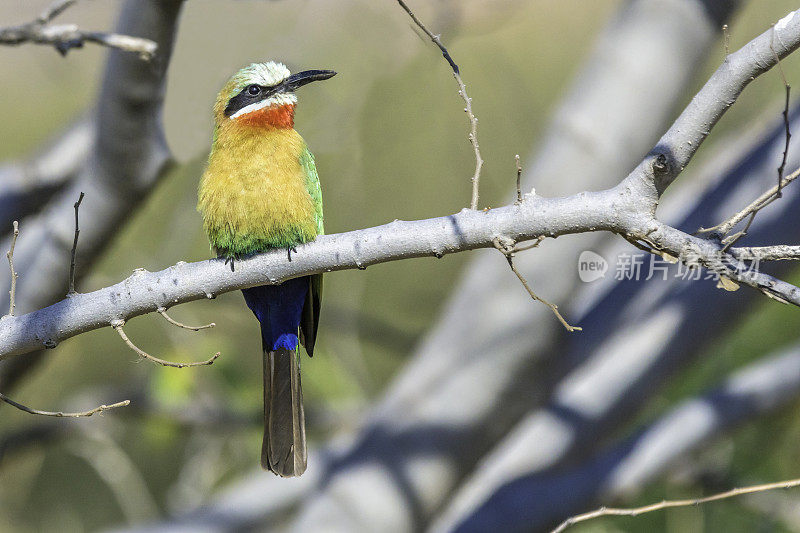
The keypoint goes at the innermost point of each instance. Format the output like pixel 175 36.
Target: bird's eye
pixel 253 90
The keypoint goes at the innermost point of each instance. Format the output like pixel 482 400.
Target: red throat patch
pixel 272 117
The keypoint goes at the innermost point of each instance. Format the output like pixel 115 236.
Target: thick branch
pixel 144 292
pixel 679 144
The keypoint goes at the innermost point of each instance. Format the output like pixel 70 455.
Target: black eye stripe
pixel 244 98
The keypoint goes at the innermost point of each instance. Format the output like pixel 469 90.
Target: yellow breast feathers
pixel 253 195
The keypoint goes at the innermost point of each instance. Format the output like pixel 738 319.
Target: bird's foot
pixel 227 259
pixel 289 251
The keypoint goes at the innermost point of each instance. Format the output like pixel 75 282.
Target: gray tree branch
pixel 615 210
pixel 628 209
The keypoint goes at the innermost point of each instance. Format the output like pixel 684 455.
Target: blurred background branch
pixel 127 156
pixel 64 37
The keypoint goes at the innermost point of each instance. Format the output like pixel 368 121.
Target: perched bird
pixel 261 191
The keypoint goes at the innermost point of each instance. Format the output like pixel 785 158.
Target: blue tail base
pixel 278 308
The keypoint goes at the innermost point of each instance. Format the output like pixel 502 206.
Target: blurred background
pixel 389 136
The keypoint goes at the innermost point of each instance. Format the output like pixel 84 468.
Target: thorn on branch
pixel 61 414
pixel 163 312
pixel 64 37
pixel 462 92
pixel 665 504
pixel 10 255
pixel 118 328
pixel 506 247
pixel 71 289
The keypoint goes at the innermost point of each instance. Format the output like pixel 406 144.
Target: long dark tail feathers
pixel 283 450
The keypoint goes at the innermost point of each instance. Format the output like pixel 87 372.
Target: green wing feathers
pixel 310 319
pixel 312 183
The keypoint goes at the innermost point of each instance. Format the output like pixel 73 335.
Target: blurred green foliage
pixel 389 137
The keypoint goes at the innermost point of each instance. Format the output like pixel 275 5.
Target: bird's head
pixel 263 94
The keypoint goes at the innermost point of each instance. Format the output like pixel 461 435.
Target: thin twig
pixel 635 511
pixel 71 290
pixel 62 414
pixel 519 179
pixel 754 207
pixel 118 328
pixel 163 312
pixel 65 37
pixel 506 247
pixel 518 247
pixel 55 10
pixel 462 92
pixel 13 292
pixel 782 166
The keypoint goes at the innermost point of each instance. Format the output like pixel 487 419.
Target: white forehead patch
pixel 279 99
pixel 271 73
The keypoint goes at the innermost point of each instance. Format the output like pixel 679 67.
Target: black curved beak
pixel 307 76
